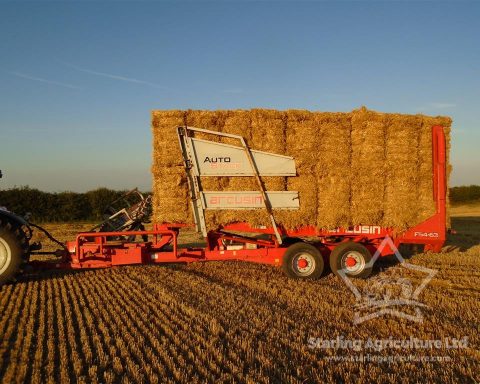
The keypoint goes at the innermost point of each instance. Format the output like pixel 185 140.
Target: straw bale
pixel 239 123
pixel 333 169
pixel 165 151
pixel 368 159
pixel 170 196
pixel 302 138
pixel 178 214
pixel 401 165
pixel 173 181
pixel 268 130
pixel 169 179
pixel 211 120
pixel 302 135
pixel 307 188
pixel 268 135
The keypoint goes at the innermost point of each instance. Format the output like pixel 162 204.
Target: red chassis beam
pixel 96 250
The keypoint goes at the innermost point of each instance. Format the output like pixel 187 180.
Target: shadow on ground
pixel 467 234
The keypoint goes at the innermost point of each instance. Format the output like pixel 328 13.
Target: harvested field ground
pixel 466 210
pixel 235 322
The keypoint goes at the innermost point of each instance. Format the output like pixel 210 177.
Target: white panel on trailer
pixel 248 199
pixel 217 159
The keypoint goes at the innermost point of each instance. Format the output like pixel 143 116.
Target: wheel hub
pixel 353 262
pixel 350 262
pixel 5 255
pixel 304 264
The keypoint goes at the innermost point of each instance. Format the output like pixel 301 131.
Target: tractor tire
pixel 13 252
pixel 352 259
pixel 303 261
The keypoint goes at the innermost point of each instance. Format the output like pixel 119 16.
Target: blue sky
pixel 78 79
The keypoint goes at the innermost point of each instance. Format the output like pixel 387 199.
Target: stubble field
pixel 237 322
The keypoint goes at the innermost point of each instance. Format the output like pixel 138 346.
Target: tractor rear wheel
pixel 303 261
pixel 353 259
pixel 12 252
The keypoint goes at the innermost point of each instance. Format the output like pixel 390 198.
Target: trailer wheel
pixel 352 259
pixel 303 261
pixel 11 254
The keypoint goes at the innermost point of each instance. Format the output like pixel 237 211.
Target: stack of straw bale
pixel 360 167
pixel 333 169
pixel 401 175
pixel 368 166
pixel 301 138
pixel 170 187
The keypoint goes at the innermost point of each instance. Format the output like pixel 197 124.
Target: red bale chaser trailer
pixel 302 252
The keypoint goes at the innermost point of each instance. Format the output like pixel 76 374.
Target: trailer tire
pixel 352 258
pixel 303 261
pixel 12 252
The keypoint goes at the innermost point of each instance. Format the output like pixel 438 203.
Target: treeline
pixel 465 194
pixel 89 206
pixel 58 207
